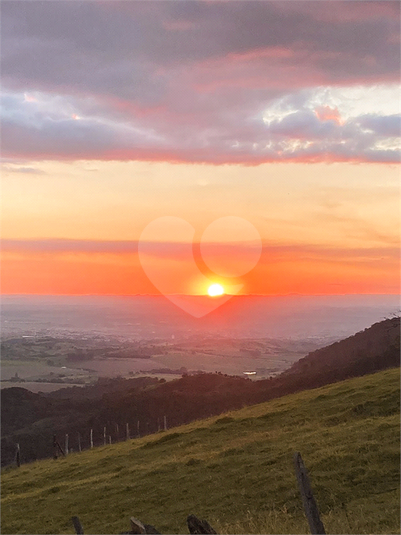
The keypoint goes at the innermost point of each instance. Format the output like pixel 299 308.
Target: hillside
pixel 31 419
pixel 236 471
pixel 366 351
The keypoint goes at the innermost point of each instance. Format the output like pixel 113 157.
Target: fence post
pixel 109 439
pixel 165 422
pixel 17 456
pixel 77 525
pixel 310 507
pixel 66 444
pixel 91 438
pixel 137 526
pixel 127 431
pixel 117 433
pixel 195 525
pixel 55 450
pixel 104 436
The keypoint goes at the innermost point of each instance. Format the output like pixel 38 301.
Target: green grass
pixel 236 471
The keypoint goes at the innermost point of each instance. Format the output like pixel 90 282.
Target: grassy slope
pixel 236 471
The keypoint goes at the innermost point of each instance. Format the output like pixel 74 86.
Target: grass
pixel 235 471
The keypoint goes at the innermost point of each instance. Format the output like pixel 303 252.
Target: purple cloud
pixel 191 81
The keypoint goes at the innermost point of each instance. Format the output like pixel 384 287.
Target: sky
pixel 155 146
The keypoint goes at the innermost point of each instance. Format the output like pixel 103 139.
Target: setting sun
pixel 215 289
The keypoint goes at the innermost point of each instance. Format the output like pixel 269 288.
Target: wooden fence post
pixel 198 526
pixel 60 449
pixel 117 433
pixel 57 448
pixel 55 451
pixel 109 439
pixel 138 528
pixel 165 422
pixel 310 507
pixel 17 456
pixel 77 525
pixel 127 431
pixel 137 429
pixel 104 436
pixel 91 438
pixel 66 443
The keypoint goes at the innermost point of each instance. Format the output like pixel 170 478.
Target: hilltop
pixel 234 470
pixel 367 351
pixel 31 419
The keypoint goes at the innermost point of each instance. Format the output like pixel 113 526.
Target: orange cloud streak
pixel 122 274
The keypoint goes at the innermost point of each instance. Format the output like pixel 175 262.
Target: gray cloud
pixel 387 126
pixel 46 129
pixel 60 246
pixel 23 170
pixel 188 81
pixel 272 253
pixel 114 34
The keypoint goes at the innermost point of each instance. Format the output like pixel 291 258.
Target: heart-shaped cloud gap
pixel 166 255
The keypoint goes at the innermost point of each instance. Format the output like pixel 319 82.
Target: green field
pixel 235 470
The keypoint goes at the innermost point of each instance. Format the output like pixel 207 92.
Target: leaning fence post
pixel 137 526
pixel 77 525
pixel 310 506
pixel 55 450
pixel 17 456
pixel 195 525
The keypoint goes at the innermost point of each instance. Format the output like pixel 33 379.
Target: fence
pixel 107 438
pixel 194 525
pixel 197 526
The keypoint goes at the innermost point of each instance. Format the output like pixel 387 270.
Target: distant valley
pixel 144 403
pixel 49 342
pixel 43 363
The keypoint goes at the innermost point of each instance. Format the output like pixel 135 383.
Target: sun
pixel 215 290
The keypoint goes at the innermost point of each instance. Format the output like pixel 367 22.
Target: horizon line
pixel 289 294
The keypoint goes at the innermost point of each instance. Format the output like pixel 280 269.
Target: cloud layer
pixel 218 82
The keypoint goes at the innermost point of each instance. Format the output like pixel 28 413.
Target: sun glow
pixel 215 290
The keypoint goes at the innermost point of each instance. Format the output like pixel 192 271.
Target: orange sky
pixel 73 228
pixel 284 115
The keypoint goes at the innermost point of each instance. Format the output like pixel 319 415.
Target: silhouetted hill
pixel 32 419
pixel 103 386
pixel 21 407
pixel 372 349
